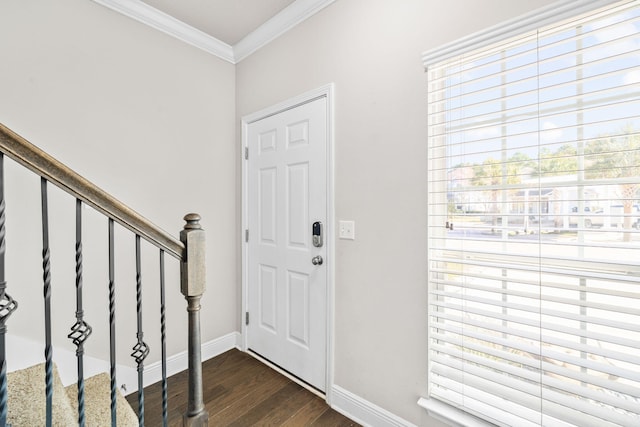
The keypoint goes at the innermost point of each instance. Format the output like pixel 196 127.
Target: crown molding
pixel 161 21
pixel 286 19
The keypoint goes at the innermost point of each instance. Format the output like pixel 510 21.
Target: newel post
pixel 192 285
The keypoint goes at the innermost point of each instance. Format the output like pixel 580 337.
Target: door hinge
pixel 246 235
pixel 246 318
pixel 246 153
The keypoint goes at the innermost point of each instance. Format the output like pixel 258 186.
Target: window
pixel 534 218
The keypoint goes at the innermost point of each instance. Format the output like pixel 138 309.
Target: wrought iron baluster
pixel 46 276
pixel 112 325
pixel 163 343
pixel 140 350
pixel 80 331
pixel 7 304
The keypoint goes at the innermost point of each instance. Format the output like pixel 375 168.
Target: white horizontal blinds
pixel 534 225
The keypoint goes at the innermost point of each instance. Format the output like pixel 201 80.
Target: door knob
pixel 317 260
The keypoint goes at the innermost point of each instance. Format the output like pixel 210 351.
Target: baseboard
pixel 363 411
pixel 180 361
pixel 23 353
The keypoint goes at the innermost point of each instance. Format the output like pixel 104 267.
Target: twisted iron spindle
pixel 80 331
pixel 140 350
pixel 112 325
pixel 7 304
pixel 163 343
pixel 46 276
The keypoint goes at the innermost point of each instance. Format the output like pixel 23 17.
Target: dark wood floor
pixel 241 391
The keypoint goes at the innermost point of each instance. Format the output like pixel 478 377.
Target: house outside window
pixel 534 225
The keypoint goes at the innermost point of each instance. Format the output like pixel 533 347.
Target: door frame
pixel 326 91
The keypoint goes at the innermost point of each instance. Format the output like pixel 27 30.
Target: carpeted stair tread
pixel 27 399
pixel 97 403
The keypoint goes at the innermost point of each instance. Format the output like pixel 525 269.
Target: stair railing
pixel 189 250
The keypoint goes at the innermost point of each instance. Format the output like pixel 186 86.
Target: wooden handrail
pixel 22 151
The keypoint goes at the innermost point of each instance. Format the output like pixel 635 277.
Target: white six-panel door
pixel 287 292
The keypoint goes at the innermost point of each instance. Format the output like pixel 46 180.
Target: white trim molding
pixel 285 20
pixel 180 361
pixel 546 15
pixel 161 21
pixel 282 22
pixel 450 415
pixel 26 352
pixel 364 412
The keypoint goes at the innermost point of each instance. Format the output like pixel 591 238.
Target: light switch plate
pixel 347 230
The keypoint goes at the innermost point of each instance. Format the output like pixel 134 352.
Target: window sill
pixel 450 415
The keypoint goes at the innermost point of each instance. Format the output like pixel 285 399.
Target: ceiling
pixel 229 29
pixel 226 20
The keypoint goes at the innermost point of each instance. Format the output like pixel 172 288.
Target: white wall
pixel 146 117
pixel 371 49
